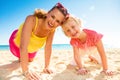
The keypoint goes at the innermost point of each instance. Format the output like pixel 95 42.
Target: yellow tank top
pixel 35 42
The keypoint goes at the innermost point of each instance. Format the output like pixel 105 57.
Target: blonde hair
pixel 40 13
pixel 72 18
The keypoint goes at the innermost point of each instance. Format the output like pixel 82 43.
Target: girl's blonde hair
pixel 72 18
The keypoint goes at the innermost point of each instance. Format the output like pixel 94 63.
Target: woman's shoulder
pixel 30 17
pixel 30 21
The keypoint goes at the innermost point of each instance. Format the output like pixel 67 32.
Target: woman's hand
pixel 82 71
pixel 48 70
pixel 31 75
pixel 107 72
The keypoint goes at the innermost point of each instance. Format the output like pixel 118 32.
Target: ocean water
pixel 59 46
pixel 54 46
pixel 4 47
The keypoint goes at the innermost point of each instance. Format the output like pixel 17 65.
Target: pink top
pixel 92 38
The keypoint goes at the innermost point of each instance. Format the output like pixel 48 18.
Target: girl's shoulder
pixel 92 35
pixel 89 31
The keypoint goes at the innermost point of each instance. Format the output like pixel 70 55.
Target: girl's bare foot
pixel 94 60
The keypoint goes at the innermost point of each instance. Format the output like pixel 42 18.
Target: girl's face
pixel 71 29
pixel 54 19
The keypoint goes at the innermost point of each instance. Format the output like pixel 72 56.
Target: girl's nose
pixel 72 31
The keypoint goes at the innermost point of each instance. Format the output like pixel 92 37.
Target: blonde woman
pixel 37 30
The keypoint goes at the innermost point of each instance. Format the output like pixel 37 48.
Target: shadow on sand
pixel 7 69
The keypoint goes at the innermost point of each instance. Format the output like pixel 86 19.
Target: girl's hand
pixel 82 71
pixel 31 75
pixel 47 70
pixel 107 72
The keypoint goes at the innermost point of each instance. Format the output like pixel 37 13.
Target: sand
pixel 61 64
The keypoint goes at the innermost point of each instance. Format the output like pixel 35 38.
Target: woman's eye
pixel 52 16
pixel 58 21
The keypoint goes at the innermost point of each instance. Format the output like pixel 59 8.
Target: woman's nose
pixel 53 21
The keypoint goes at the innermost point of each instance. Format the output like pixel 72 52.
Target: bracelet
pixel 25 73
pixel 105 70
pixel 81 69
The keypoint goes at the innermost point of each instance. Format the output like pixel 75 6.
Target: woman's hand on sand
pixel 48 70
pixel 107 72
pixel 82 71
pixel 31 75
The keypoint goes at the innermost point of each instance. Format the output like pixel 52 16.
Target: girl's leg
pixel 93 59
pixel 94 55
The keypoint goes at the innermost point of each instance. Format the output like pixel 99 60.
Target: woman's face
pixel 71 29
pixel 54 19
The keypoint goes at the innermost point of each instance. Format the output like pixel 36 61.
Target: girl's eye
pixel 73 27
pixel 68 30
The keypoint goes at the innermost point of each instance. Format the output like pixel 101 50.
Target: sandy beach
pixel 61 64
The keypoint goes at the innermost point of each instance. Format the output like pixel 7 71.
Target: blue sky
pixel 100 15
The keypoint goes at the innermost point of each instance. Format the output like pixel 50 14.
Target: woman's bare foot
pixel 31 59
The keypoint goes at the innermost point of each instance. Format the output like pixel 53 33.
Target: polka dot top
pixel 92 38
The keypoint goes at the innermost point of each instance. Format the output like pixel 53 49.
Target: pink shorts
pixel 14 49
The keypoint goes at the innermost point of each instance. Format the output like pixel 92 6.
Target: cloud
pixel 92 8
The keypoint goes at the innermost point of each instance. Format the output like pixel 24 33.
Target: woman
pixel 36 31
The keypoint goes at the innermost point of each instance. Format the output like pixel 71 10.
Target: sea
pixel 59 46
pixel 54 46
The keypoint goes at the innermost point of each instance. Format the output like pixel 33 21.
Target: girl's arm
pixel 78 61
pixel 77 57
pixel 101 51
pixel 48 51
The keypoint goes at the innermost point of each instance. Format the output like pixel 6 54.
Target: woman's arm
pixel 25 37
pixel 48 50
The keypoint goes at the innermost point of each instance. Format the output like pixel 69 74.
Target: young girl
pixel 37 30
pixel 85 41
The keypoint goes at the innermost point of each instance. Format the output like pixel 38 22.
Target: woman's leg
pixel 31 56
pixel 13 48
pixel 31 59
